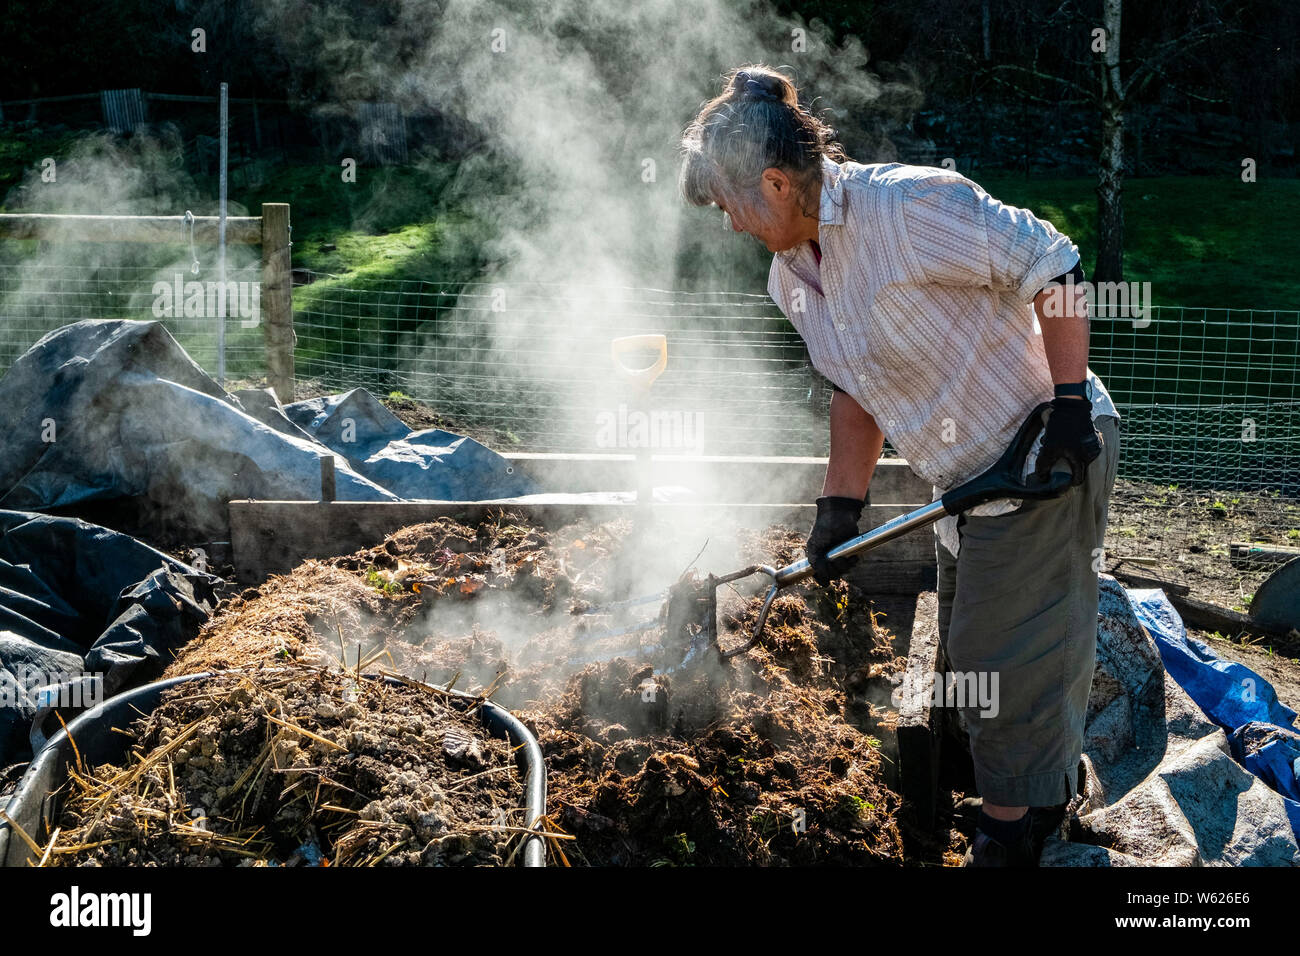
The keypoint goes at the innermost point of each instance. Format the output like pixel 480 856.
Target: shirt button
pixel 862 378
pixel 842 326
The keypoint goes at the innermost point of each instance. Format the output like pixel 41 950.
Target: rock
pixel 462 747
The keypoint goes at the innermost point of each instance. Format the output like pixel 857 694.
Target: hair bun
pixel 749 87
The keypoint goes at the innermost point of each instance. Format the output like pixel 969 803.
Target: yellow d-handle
pixel 640 343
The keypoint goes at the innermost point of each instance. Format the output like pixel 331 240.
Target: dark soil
pixel 298 765
pixel 731 778
pixel 768 758
pixel 1186 534
pixel 1184 537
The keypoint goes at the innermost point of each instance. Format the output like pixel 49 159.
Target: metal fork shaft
pixel 801 570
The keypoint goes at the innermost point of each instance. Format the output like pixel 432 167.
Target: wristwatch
pixel 1075 390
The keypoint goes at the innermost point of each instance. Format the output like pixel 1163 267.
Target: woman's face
pixel 780 223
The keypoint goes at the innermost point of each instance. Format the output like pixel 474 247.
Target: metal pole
pixel 221 239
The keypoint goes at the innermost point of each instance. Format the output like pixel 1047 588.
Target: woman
pixel 941 317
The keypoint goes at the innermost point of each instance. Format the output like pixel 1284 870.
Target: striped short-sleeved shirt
pixel 921 309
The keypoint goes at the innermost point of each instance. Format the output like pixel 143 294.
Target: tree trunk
pixel 1110 185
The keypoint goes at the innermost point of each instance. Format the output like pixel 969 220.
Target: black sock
pixel 1006 832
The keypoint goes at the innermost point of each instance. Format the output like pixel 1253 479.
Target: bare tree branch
pixel 1041 75
pixel 1197 96
pixel 1057 101
pixel 1165 52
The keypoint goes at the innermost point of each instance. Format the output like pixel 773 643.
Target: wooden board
pixel 270 537
pixel 757 479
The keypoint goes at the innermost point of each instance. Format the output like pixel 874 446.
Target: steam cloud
pixel 579 107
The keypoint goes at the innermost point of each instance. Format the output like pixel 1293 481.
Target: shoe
pixel 986 851
pixel 1043 821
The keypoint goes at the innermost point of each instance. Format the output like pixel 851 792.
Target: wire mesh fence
pixel 533 362
pixel 1208 397
pixel 1210 442
pixel 38 297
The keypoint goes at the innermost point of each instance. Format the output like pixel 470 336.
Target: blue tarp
pixel 1260 727
pixel 425 464
pixel 1271 753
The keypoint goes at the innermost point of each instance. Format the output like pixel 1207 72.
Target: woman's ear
pixel 777 185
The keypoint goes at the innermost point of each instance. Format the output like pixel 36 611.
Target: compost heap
pixel 297 765
pixel 766 758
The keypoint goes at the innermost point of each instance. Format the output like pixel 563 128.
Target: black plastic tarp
pixel 112 419
pixel 77 599
pixel 114 411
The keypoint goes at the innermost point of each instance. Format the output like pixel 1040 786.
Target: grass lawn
pixel 393 223
pixel 1199 241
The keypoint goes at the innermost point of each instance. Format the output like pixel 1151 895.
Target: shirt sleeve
pixel 960 235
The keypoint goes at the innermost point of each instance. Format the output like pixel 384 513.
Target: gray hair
pixel 756 123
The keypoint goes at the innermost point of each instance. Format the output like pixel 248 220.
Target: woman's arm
pixel 1063 316
pixel 856 442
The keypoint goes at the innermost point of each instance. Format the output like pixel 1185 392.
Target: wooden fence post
pixel 277 299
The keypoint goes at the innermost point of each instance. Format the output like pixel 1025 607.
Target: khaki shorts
pixel 1018 618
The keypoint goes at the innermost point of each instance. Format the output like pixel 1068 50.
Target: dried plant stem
pixel 13 825
pixel 49 847
pixel 306 733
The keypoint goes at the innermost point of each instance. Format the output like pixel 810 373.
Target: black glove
pixel 837 522
pixel 1069 435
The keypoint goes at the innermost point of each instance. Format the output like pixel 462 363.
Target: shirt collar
pixel 831 212
pixel 831 209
